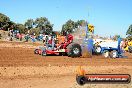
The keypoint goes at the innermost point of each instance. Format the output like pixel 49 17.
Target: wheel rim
pixel 114 54
pixel 76 50
pixel 98 49
pixel 106 54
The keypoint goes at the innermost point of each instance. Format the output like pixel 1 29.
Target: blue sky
pixel 109 17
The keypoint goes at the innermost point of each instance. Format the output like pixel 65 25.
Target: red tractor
pixel 70 48
pixel 67 48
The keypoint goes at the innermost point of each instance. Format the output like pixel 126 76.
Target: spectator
pixel 33 37
pixel 11 35
pixel 17 36
pixel 20 37
pixel 44 36
pixel 46 40
pixel 27 37
pixel 49 37
pixel 50 41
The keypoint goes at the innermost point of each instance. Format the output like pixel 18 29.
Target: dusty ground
pixel 21 68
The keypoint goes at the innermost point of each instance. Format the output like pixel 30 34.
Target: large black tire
pixel 130 49
pixel 74 50
pixel 114 54
pixel 81 80
pixel 68 48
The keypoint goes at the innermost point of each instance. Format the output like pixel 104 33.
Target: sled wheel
pixel 98 49
pixel 114 54
pixel 130 49
pixel 106 53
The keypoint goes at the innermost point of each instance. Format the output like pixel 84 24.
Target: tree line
pixel 39 25
pixel 129 32
pixel 43 25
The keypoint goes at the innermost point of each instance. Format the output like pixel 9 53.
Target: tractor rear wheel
pixel 74 50
pixel 68 48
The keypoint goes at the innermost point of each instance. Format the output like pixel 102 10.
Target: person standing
pixel 27 37
pixel 90 45
pixel 44 36
pixel 11 35
pixel 50 37
pixel 20 37
pixel 46 40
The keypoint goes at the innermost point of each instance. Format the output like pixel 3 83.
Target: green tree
pixel 68 27
pixel 35 30
pixel 21 28
pixel 129 32
pixel 29 24
pixel 4 21
pixel 11 25
pixel 81 23
pixel 115 37
pixel 44 24
pixel 4 18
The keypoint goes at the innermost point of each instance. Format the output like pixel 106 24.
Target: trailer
pixel 114 51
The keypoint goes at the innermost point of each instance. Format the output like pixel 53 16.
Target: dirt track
pixel 21 68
